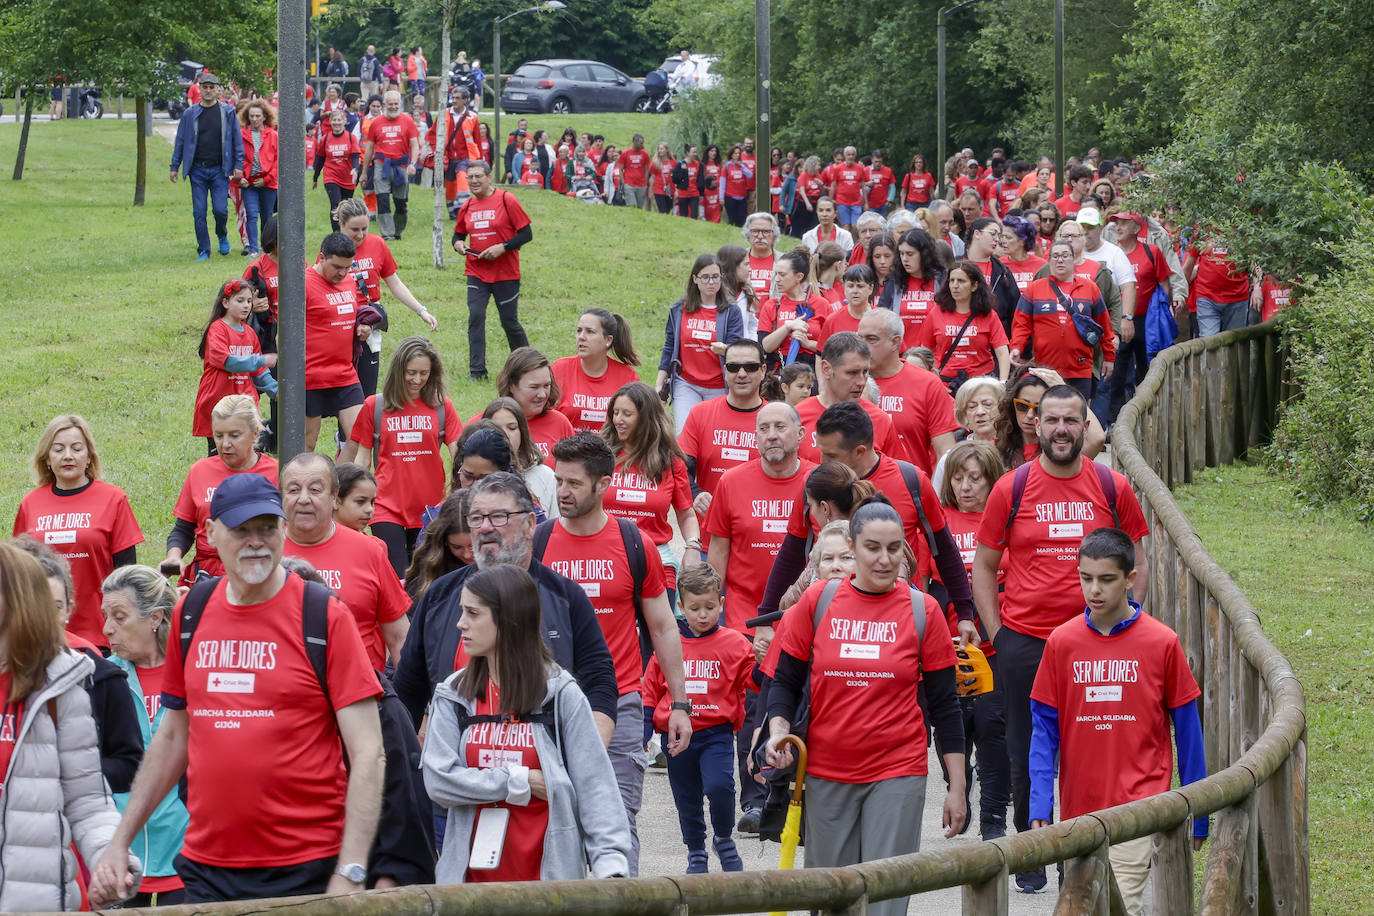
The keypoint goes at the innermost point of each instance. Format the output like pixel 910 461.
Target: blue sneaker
pixel 697 863
pixel 223 244
pixel 203 256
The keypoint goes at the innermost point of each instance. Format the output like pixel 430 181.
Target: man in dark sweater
pixel 501 517
pixel 209 152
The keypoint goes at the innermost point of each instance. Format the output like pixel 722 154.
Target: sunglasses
pixel 1024 406
pixel 733 368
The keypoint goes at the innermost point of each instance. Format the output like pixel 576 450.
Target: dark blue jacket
pixel 729 328
pixel 231 140
pixel 571 632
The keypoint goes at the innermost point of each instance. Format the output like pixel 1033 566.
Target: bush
pixel 1325 437
pixel 705 116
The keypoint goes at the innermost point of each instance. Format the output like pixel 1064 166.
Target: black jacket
pixel 1005 293
pixel 571 632
pixel 404 847
pixel 890 297
pixel 116 722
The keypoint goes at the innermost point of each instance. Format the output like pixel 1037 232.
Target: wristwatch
pixel 685 706
pixel 355 873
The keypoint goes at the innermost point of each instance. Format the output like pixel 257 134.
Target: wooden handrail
pixel 1204 402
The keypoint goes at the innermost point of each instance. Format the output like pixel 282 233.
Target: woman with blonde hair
pixel 87 521
pixel 56 803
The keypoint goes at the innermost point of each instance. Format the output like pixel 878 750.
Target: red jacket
pixel 1042 322
pixel 267 156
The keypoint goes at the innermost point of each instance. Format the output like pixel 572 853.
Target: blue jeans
pixel 209 182
pixel 705 769
pixel 849 215
pixel 686 396
pixel 1215 317
pixel 258 205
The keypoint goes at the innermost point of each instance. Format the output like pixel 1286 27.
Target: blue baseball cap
pixel 241 497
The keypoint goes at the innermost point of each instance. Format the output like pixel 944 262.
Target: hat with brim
pixel 208 78
pixel 241 497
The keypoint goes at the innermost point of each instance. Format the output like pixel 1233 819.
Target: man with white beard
pixel 239 678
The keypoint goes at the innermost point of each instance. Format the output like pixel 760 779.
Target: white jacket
pixel 54 793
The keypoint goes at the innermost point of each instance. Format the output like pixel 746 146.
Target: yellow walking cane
pixel 791 830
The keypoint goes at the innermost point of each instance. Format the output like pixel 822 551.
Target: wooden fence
pixel 1204 403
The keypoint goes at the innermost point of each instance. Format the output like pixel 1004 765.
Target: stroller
pixel 586 189
pixel 461 75
pixel 657 96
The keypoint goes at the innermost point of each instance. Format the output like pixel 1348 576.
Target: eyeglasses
pixel 708 278
pixel 1021 407
pixel 1061 256
pixel 751 368
pixel 498 518
pixel 760 231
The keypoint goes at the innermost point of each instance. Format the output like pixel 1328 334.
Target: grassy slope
pixel 104 303
pixel 1308 573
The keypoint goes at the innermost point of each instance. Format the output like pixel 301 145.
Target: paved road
pixel 662 852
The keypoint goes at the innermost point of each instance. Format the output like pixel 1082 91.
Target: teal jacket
pixel 160 840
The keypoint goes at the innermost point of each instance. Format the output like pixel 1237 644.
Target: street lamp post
pixel 498 157
pixel 940 126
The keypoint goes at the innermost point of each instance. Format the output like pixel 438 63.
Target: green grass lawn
pixel 1308 573
pixel 107 303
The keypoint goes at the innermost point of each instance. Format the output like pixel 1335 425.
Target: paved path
pixel 662 852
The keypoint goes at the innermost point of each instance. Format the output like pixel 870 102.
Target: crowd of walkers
pixel 859 504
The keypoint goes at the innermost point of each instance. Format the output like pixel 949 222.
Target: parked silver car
pixel 562 86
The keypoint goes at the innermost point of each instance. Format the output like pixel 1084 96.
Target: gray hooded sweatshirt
pixel 586 824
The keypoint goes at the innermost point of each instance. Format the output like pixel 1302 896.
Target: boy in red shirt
pixel 1108 684
pixel 717 661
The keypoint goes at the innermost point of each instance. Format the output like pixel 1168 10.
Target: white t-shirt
pixel 1115 260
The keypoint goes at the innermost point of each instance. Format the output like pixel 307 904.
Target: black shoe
pixel 749 821
pixel 1031 882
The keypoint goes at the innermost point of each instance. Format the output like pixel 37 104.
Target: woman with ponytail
pixel 587 381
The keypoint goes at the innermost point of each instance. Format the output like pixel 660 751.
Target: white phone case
pixel 489 838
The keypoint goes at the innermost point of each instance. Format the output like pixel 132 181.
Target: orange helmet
pixel 974 674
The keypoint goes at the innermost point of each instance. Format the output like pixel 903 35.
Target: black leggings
pixel 665 203
pixel 736 209
pixel 688 207
pixel 367 366
pixel 337 193
pixel 400 543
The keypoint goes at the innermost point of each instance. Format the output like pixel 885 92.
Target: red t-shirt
pixel 87 528
pixel 720 437
pixel 887 479
pixel 391 136
pixel 917 187
pixel 980 185
pixel 585 400
pixel 10 718
pixel 693 189
pixel 1277 297
pixel 1006 194
pixel 356 567
pixel 489 221
pixel 1218 278
pixel 646 502
pixel 331 314
pixel 761 275
pixel 837 321
pixel 193 505
pixel 885 439
pixel 974 351
pixel 774 312
pixel 865 722
pixel 221 342
pixel 1041 319
pixel 716 668
pixel 712 195
pixel 663 177
pixel 848 178
pixel 696 332
pixel 879 180
pixel 1113 694
pixel 1055 513
pixel 751 510
pixel 1025 271
pixel 547 429
pixel 736 184
pixel 914 305
pixel 775 189
pixel 267 270
pixel 296 812
pixel 963 527
pixel 634 164
pixel 599 564
pixel 491 745
pixel 338 151
pixel 1148 274
pixel 813 186
pixel 410 468
pixel 1068 207
pixel 374 263
pixel 920 407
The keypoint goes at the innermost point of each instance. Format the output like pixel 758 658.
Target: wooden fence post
pixel 1171 870
pixel 1230 886
pixel 1085 888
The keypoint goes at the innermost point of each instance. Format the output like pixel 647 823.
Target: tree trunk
pixel 441 138
pixel 141 169
pixel 24 135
